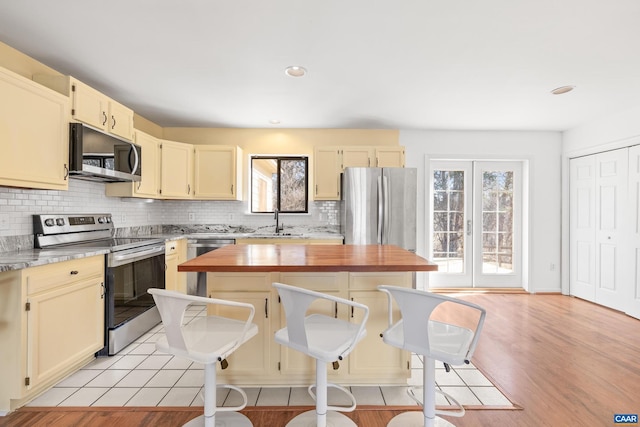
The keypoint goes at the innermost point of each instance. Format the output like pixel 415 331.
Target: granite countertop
pixel 17 260
pixel 25 258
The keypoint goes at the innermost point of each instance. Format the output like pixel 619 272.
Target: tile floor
pixel 140 376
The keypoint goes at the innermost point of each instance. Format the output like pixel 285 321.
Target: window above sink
pixel 279 183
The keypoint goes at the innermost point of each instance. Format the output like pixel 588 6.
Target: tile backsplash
pixel 18 204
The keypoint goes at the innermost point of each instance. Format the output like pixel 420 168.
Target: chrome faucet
pixel 279 227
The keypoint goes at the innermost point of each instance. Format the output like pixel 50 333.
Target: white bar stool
pixel 205 340
pixel 324 338
pixel 434 340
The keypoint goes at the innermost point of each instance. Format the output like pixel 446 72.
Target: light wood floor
pixel 565 361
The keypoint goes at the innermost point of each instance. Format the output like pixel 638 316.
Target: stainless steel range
pixel 133 265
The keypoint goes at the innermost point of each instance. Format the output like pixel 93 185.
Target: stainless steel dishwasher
pixel 196 246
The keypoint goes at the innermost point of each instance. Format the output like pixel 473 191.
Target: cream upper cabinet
pixel 330 162
pixel 176 170
pixel 217 172
pixel 358 157
pixel 52 324
pixel 91 106
pixel 149 184
pixel 326 172
pixel 389 157
pixel 34 134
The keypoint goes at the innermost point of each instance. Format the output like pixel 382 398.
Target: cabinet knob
pixel 73 272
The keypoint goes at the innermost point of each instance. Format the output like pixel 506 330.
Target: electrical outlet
pixel 552 267
pixel 123 218
pixel 231 217
pixel 192 216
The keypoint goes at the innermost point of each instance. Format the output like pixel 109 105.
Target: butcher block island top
pixel 309 258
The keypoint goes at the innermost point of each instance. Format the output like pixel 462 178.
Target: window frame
pixel 279 159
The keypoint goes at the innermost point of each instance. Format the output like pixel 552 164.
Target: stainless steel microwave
pixel 98 156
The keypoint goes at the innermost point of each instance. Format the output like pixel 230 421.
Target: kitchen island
pixel 245 273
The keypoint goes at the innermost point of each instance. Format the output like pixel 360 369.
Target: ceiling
pixel 377 64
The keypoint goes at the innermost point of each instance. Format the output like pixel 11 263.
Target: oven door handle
pixel 121 259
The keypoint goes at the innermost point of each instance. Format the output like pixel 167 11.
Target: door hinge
pixel 161 146
pixel 278 366
pixel 73 89
pixel 73 111
pixel 27 307
pixel 27 381
pixel 278 299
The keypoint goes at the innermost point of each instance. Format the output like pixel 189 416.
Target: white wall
pixel 542 151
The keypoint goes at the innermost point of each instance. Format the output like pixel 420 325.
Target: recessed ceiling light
pixel 274 121
pixel 562 89
pixel 295 71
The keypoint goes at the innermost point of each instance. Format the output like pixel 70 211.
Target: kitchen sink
pixel 275 235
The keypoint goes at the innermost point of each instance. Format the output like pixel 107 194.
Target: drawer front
pixel 239 281
pixel 171 248
pixel 46 277
pixel 316 281
pixel 370 281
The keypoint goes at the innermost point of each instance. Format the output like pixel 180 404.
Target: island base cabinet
pixel 261 361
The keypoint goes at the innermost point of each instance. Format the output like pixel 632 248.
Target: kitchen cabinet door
pixel 294 363
pixel 253 357
pixel 176 170
pixel 120 120
pixel 63 326
pixel 372 357
pixel 390 157
pixel 34 134
pixel 358 157
pixel 175 254
pixel 326 173
pixel 218 172
pixel 89 106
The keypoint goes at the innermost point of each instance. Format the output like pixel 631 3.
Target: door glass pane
pixel 448 220
pixel 497 222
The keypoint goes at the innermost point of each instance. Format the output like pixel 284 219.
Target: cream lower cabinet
pixel 52 323
pixel 34 134
pixel 262 361
pixel 175 254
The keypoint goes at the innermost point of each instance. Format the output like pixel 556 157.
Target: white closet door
pixel 582 230
pixel 633 292
pixel 599 242
pixel 611 227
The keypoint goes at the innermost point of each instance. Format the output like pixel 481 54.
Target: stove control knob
pixel 60 221
pixel 108 220
pixel 102 220
pixel 49 222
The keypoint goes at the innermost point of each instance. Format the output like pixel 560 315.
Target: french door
pixel 476 223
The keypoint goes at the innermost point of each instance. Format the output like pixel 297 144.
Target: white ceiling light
pixel 274 121
pixel 562 89
pixel 295 71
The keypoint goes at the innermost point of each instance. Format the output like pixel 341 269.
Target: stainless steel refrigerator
pixel 379 206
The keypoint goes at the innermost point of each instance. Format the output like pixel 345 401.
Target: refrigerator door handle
pixel 386 214
pixel 380 209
